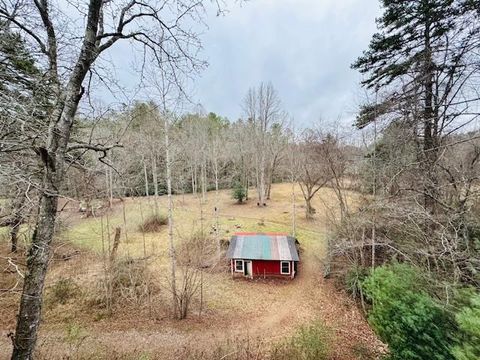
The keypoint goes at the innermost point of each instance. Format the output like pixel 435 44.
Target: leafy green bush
pixel 310 343
pixel 468 320
pixel 239 192
pixel 406 317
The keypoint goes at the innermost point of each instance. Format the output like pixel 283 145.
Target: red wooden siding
pixel 266 267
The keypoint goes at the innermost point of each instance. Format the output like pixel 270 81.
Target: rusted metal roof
pixel 262 246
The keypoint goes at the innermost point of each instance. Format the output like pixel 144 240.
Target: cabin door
pixel 247 268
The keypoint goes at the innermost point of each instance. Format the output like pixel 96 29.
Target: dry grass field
pixel 256 313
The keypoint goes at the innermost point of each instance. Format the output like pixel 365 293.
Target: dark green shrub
pixel 239 193
pixel 406 317
pixel 468 321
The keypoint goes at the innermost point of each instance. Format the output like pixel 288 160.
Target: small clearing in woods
pixel 262 310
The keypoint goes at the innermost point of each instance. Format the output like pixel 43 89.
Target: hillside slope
pixel 260 311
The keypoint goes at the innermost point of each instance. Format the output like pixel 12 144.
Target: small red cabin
pixel 263 254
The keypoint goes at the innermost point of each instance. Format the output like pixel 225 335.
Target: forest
pixel 116 216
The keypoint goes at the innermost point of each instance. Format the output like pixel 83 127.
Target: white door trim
pixel 249 267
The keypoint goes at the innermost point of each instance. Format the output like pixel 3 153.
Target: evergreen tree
pixel 24 99
pixel 24 104
pixel 421 57
pixel 238 192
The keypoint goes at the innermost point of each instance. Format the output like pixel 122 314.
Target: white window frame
pixel 235 266
pixel 289 268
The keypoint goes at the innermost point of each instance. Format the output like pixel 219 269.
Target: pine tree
pixel 420 57
pixel 23 107
pixel 17 65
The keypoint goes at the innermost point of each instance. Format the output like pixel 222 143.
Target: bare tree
pixel 276 145
pixel 173 259
pixel 293 165
pixel 315 172
pixel 219 161
pixel 262 108
pixel 67 67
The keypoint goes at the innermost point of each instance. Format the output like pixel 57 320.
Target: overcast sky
pixel 304 47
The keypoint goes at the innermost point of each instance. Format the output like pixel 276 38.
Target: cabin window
pixel 239 265
pixel 285 267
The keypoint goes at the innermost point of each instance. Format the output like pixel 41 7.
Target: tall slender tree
pixel 262 108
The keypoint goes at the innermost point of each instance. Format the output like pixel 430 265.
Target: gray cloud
pixel 304 47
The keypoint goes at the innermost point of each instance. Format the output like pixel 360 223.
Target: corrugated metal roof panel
pixel 283 248
pixel 262 247
pixel 231 247
pixel 252 249
pixel 274 246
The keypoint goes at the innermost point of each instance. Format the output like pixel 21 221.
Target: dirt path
pixel 270 311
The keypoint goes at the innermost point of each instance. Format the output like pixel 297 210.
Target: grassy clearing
pixel 232 309
pixel 187 220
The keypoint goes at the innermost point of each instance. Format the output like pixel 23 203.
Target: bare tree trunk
pixel 116 243
pixel 217 230
pixel 154 175
pixel 310 210
pixel 374 217
pixel 308 193
pixel 193 182
pixel 68 91
pixel 146 177
pixel 14 235
pixel 292 167
pixel 269 188
pixel 194 179
pixel 53 159
pixel 202 218
pixel 294 211
pixel 172 255
pixel 107 187
pixel 245 175
pixel 37 263
pixel 271 173
pixel 261 189
pixel 430 120
pixel 203 176
pixel 337 188
pixel 110 172
pixel 257 180
pixel 155 182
